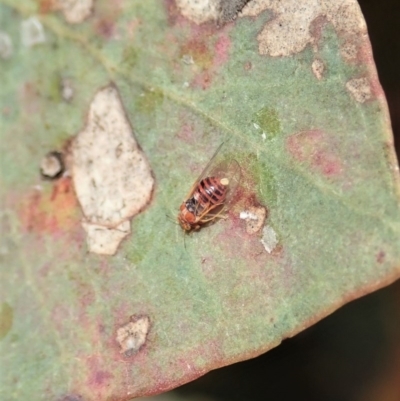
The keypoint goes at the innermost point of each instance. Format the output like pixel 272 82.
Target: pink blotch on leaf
pixel 380 257
pixel 221 49
pixel 105 28
pixel 186 133
pixel 98 378
pixel 52 212
pixel 317 149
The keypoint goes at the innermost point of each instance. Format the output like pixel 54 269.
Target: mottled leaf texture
pixel 103 296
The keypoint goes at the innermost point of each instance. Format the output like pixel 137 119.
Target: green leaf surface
pixel 310 130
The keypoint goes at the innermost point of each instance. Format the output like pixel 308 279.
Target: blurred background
pixel 354 354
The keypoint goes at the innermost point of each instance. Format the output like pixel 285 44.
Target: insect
pixel 210 194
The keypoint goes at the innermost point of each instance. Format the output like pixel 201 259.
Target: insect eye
pixel 191 205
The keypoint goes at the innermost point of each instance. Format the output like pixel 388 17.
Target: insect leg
pixel 210 217
pixel 203 216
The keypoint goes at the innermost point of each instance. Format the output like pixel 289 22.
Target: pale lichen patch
pixel 103 240
pixel 6 46
pixel 289 31
pixel 349 51
pixel 360 89
pixel 32 32
pixel 269 239
pixel 132 336
pixel 255 218
pixel 75 11
pixel 199 11
pixel 318 68
pixel 112 177
pixel 229 9
pixel 254 7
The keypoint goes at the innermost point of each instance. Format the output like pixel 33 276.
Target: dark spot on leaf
pixel 71 397
pixel 105 28
pixel 173 12
pixel 198 50
pixel 101 377
pixel 248 66
pixel 202 80
pixel 6 319
pixel 268 121
pixel 149 100
pixel 229 9
pixel 316 28
pixel 50 88
pixel 380 257
pixel 130 57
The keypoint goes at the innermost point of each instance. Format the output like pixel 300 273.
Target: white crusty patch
pixel 32 32
pixel 112 177
pixel 269 239
pixel 199 11
pixel 103 240
pixel 318 68
pixel 360 89
pixel 6 46
pixel 132 335
pixel 67 89
pixel 289 32
pixel 255 218
pixel 75 11
pixel 349 51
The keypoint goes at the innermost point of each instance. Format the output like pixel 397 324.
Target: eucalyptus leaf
pixel 294 97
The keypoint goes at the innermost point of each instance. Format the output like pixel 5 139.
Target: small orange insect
pixel 210 194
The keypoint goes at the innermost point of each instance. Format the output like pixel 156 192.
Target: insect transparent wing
pixel 210 165
pixel 218 167
pixel 205 171
pixel 229 169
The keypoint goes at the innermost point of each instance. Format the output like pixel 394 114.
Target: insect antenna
pixel 171 219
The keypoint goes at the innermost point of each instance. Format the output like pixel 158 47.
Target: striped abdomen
pixel 210 191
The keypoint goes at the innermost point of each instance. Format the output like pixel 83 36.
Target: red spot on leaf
pixel 365 57
pixel 221 49
pixel 206 45
pixel 105 28
pixel 174 15
pixel 186 133
pixel 380 257
pixel 47 6
pixel 71 397
pixel 197 48
pixel 106 13
pixel 202 80
pixel 29 98
pixel 317 27
pixel 51 212
pixel 316 149
pixel 248 66
pixel 98 378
